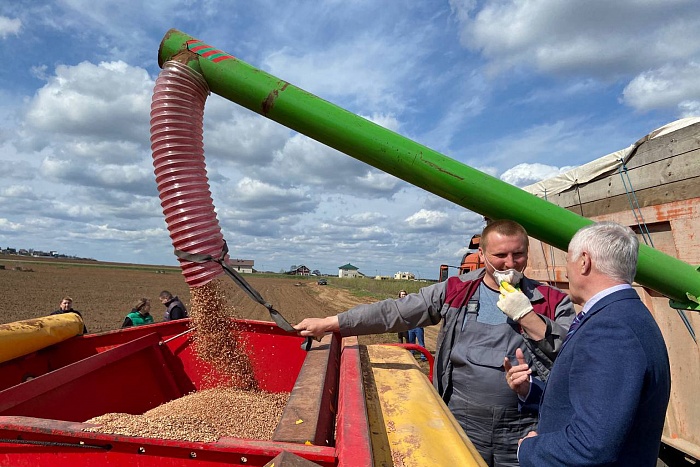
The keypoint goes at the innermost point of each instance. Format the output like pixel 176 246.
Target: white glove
pixel 514 303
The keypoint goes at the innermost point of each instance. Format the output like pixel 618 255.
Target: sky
pixel 519 89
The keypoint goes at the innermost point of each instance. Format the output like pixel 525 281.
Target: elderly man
pixel 605 400
pixel 476 336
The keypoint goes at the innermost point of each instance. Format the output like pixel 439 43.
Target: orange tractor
pixel 470 260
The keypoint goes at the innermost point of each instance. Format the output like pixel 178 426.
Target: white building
pixel 406 276
pixel 348 270
pixel 244 266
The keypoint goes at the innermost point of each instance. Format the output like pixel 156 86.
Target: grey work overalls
pixel 481 401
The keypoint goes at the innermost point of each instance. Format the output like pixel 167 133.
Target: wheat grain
pixel 202 416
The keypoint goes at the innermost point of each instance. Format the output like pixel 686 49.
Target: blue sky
pixel 518 89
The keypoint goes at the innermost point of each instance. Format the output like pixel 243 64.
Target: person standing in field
pixel 66 306
pixel 478 332
pixel 139 315
pixel 174 308
pixel 413 336
pixel 403 335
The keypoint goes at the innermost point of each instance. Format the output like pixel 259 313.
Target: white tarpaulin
pixel 602 166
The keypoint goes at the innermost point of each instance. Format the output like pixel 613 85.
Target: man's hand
pixel 317 327
pixel 518 376
pixel 513 302
pixel 532 434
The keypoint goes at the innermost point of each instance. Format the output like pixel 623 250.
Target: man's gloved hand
pixel 513 302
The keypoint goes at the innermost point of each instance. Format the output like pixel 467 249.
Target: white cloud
pixel 260 195
pixel 597 37
pixel 599 43
pixel 388 121
pixel 104 152
pixel 668 86
pixel 358 219
pixel 427 220
pixel 9 226
pixel 106 232
pixel 9 26
pixel 136 179
pixel 526 174
pixel 370 233
pixel 239 137
pixel 689 108
pixel 56 169
pixel 18 191
pixel 108 101
pixel 373 181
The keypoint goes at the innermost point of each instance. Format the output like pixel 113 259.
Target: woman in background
pixel 139 315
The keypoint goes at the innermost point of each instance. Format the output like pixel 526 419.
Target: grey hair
pixel 613 249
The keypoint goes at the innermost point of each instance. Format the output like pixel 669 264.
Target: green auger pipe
pixel 419 165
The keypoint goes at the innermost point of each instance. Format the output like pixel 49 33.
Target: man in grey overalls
pixel 476 336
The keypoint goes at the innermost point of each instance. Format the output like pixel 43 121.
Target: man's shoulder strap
pixel 548 305
pixel 459 292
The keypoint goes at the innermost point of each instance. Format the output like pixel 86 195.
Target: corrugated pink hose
pixel 177 118
pixel 177 112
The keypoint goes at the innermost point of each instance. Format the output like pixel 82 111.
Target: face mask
pixel 512 276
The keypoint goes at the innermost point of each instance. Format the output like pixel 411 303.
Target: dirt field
pixel 104 293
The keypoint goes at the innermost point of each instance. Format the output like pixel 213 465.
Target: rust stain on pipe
pixel 438 168
pixel 184 57
pixel 269 101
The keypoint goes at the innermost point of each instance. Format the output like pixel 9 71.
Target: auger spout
pixel 419 165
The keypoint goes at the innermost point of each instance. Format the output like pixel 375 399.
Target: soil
pixel 105 292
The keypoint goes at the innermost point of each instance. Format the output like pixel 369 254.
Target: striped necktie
pixel 574 325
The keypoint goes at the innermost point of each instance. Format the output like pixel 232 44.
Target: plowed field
pixel 105 292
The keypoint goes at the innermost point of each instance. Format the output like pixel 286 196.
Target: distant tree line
pixel 39 254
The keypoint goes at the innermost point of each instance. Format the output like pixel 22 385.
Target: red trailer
pixel 47 395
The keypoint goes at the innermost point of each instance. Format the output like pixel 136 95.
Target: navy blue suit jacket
pixel 606 397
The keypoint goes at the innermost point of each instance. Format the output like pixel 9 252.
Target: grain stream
pixel 217 339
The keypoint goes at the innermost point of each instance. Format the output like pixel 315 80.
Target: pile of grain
pixel 203 416
pixel 217 340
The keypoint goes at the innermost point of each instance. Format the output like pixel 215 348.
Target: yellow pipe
pixel 24 337
pixel 409 423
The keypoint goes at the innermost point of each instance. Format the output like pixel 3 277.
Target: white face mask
pixel 512 276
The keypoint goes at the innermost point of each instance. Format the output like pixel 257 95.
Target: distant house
pixel 405 276
pixel 242 265
pixel 300 271
pixel 348 270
